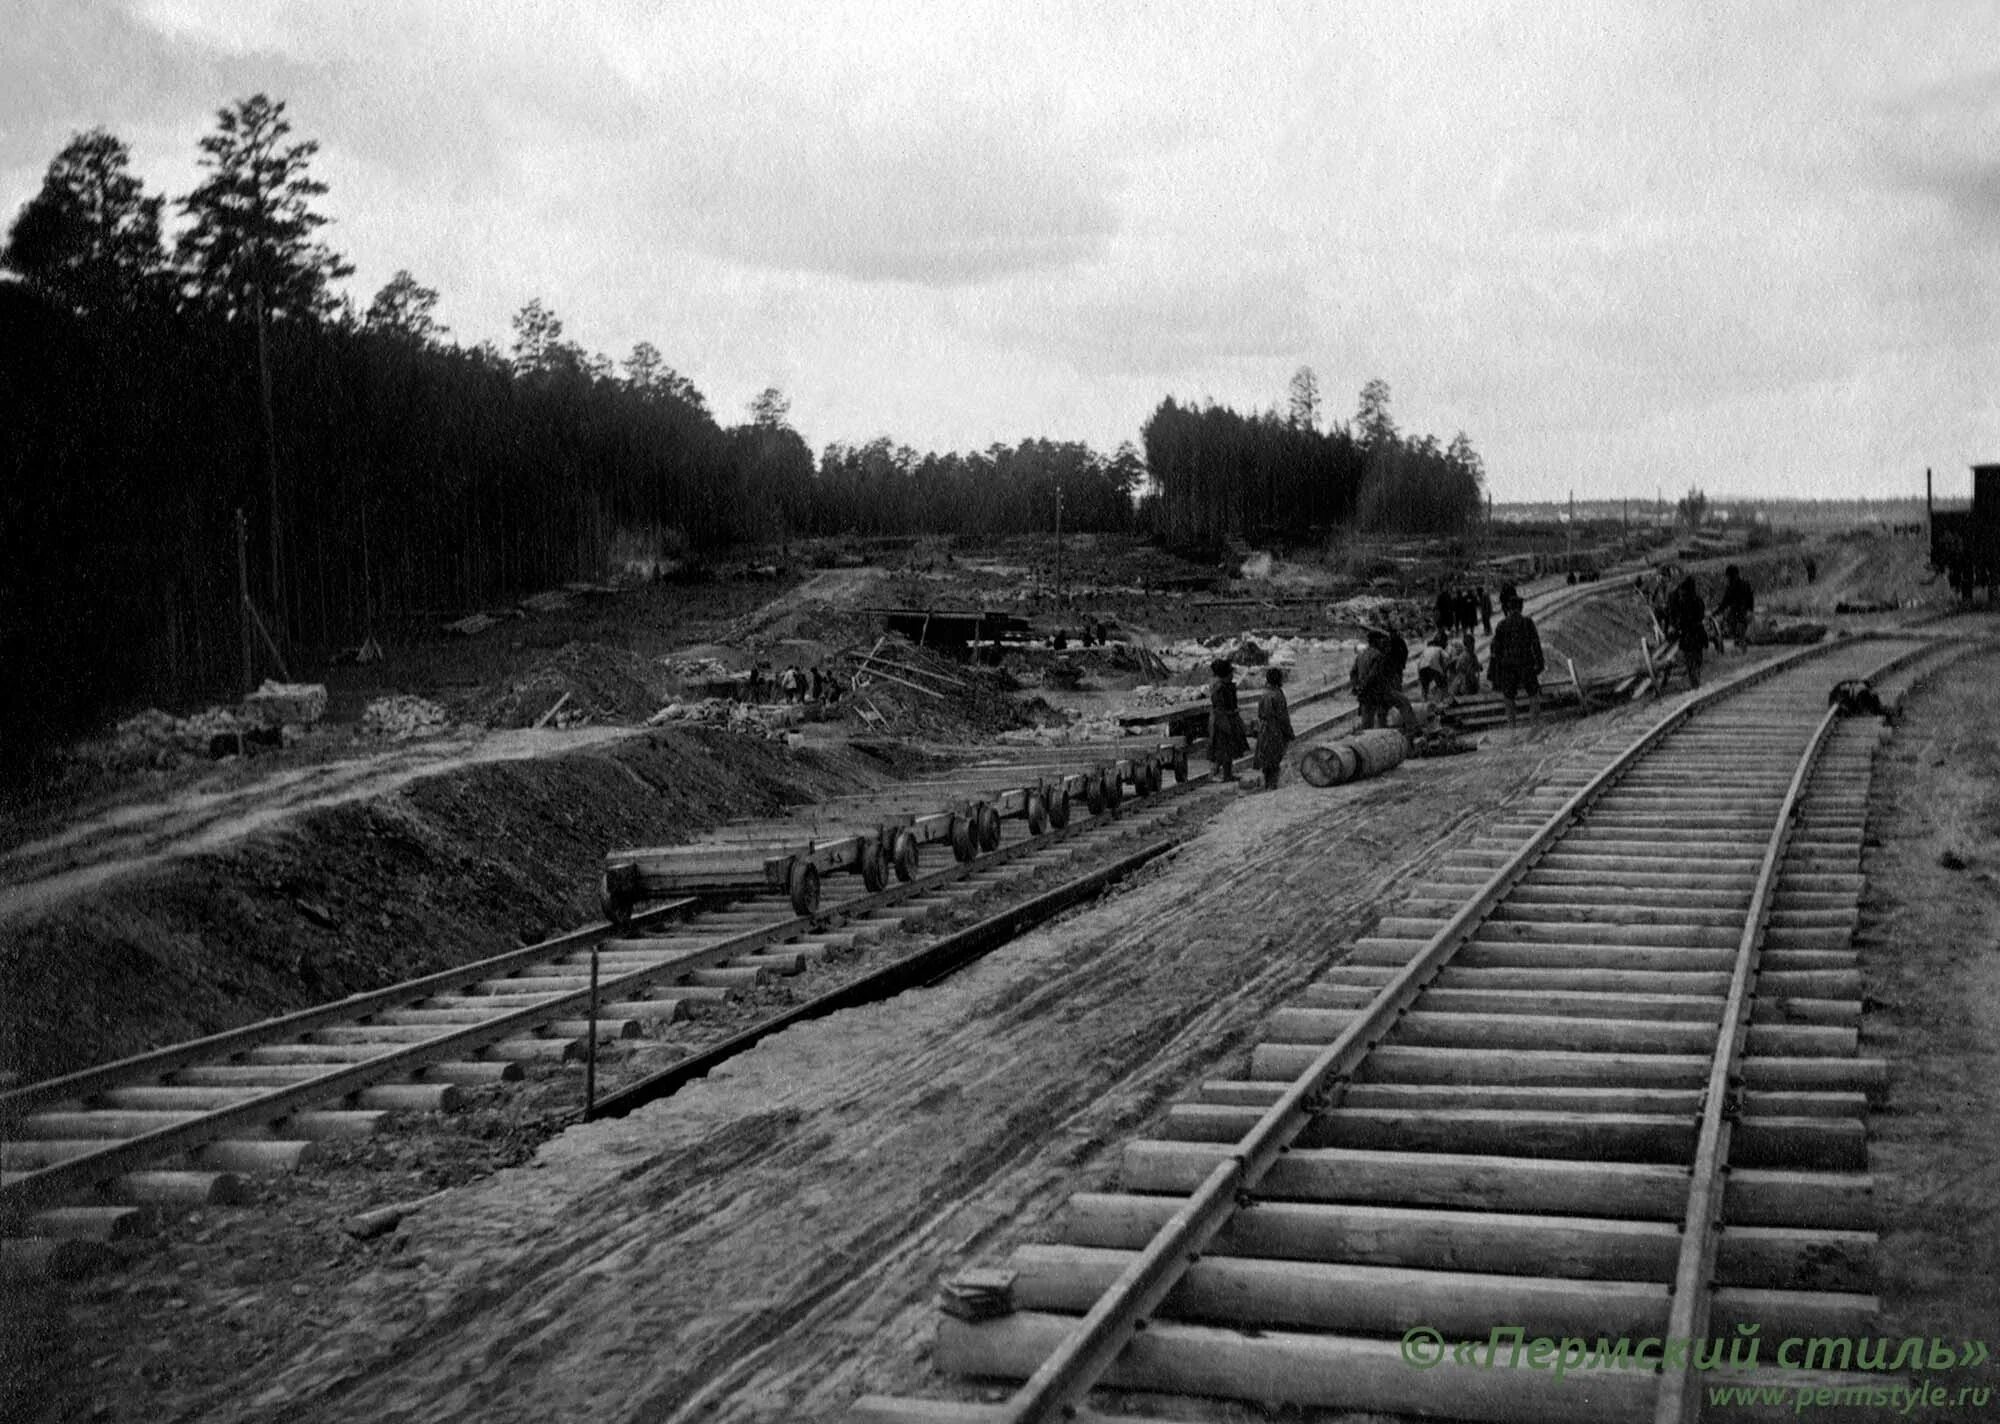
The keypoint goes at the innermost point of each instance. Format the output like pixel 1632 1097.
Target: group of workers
pixel 1684 622
pixel 1464 610
pixel 1449 666
pixel 794 684
pixel 1229 739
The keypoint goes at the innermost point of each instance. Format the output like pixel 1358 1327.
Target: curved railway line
pixel 87 1154
pixel 1598 1081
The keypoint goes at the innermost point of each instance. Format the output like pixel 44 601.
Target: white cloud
pixel 1609 241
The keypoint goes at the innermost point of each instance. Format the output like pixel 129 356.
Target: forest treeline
pixel 175 397
pixel 1281 477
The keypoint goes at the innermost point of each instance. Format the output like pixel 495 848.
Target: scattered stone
pixel 401 717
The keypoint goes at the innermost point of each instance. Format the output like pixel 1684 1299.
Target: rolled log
pixel 1476 1182
pixel 1285 1367
pixel 1508 1243
pixel 1379 1300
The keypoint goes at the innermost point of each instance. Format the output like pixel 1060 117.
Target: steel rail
pixel 918 969
pixel 1694 1270
pixel 1091 1347
pixel 49 1185
pixel 17 1103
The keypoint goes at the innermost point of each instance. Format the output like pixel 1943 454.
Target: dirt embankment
pixel 1930 947
pixel 349 897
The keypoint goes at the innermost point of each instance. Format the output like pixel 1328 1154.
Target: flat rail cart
pixel 877 834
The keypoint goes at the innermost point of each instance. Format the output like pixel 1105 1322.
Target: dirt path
pixel 138 830
pixel 843 589
pixel 1930 944
pixel 765 1245
pixel 43 873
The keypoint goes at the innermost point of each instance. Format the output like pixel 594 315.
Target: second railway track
pixel 1599 1082
pixel 90 1155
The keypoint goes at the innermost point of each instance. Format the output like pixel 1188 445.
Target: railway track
pixel 89 1155
pixel 1563 1138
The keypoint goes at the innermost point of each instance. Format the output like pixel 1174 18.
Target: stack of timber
pixel 1564 697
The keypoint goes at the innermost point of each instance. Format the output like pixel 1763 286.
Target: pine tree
pixel 91 237
pixel 250 237
pixel 404 307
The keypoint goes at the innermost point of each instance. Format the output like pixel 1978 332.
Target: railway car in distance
pixel 1965 543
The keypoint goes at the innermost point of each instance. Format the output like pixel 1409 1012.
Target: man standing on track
pixel 1739 601
pixel 1515 662
pixel 1687 625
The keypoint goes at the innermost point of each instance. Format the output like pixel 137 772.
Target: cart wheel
pixel 874 866
pixel 1059 809
pixel 1038 813
pixel 906 856
pixel 1154 776
pixel 1180 765
pixel 1093 793
pixel 804 885
pixel 989 828
pixel 963 845
pixel 1114 788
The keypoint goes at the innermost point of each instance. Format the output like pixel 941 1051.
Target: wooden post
pixel 270 449
pixel 1059 596
pixel 243 595
pixel 590 1045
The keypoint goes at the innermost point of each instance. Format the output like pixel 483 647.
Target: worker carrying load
pixel 1376 681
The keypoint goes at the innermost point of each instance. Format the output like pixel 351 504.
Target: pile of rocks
pixel 1099 727
pixel 160 739
pixel 699 669
pixel 400 717
pixel 752 719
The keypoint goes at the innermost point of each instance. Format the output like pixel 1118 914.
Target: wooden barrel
pixel 1379 751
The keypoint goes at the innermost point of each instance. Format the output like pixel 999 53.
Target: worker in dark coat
pixel 1687 625
pixel 1226 737
pixel 1515 660
pixel 1274 727
pixel 1377 690
pixel 1739 601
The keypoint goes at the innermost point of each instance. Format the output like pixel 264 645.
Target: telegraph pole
pixel 1059 597
pixel 270 451
pixel 243 595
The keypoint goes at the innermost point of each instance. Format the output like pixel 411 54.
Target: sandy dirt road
pixel 138 829
pixel 765 1245
pixel 140 832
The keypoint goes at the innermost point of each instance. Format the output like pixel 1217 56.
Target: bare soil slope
pixel 336 894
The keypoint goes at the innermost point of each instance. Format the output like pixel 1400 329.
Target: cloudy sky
pixel 1625 246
